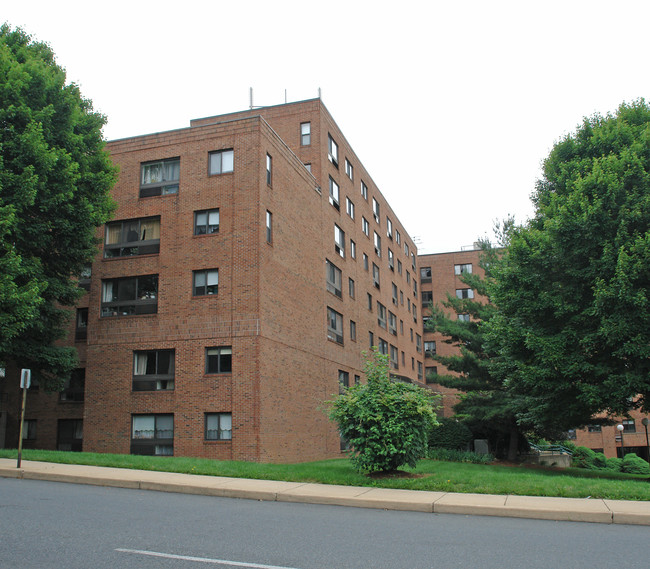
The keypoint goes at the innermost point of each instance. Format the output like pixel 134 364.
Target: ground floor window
pixel 69 435
pixel 218 426
pixel 152 435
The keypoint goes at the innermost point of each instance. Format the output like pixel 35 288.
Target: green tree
pixel 55 178
pixel 485 404
pixel 385 422
pixel 572 330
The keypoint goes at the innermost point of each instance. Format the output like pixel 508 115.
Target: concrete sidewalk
pixel 562 509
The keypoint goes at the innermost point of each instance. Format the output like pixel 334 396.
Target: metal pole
pixel 647 442
pixel 22 422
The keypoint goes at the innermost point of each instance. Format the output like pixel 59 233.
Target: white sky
pixel 451 106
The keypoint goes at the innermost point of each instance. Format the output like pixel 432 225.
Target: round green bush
pixel 584 457
pixel 600 460
pixel 450 434
pixel 634 464
pixel 614 464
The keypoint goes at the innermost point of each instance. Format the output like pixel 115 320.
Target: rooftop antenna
pixel 319 95
pixel 285 96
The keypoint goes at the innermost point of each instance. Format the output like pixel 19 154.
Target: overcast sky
pixel 451 106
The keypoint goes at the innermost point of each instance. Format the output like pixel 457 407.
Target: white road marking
pixel 202 559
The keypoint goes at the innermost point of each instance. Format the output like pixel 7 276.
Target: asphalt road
pixel 49 525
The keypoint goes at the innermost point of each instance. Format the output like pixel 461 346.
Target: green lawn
pixel 434 475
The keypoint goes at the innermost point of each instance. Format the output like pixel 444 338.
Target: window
pixel 394 292
pixel 418 342
pixel 420 371
pixel 394 362
pixel 332 150
pixel 160 178
pixel 221 162
pixel 389 228
pixel 353 249
pixel 132 237
pixel 427 297
pixel 460 269
pixel 339 240
pixel 206 222
pixel 152 435
pixel 629 426
pixel 392 323
pixel 464 293
pixel 349 169
pixel 594 428
pixel 371 339
pixel 377 244
pixel 413 261
pixel 349 207
pixel 365 262
pixel 130 295
pixel 364 190
pixel 398 237
pixel 365 227
pixel 334 326
pixel 351 287
pixel 383 347
pixel 357 379
pixel 153 370
pixel 406 249
pixel 375 275
pixel 218 359
pixel 429 349
pixel 218 426
pixel 415 312
pixel 269 227
pixel 205 282
pixel 305 134
pixel 29 429
pixel 334 193
pixel 401 298
pixel 401 327
pixel 308 166
pixel 391 260
pixel 81 325
pixel 408 277
pixel 369 301
pixel 425 274
pixel 353 330
pixel 269 169
pixel 381 315
pixel 415 288
pixel 344 381
pixel 74 388
pixel 463 317
pixel 431 372
pixel 399 266
pixel 333 279
pixel 69 435
pixel 375 209
pixel 83 280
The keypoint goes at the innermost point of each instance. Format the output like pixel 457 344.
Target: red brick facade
pixel 272 305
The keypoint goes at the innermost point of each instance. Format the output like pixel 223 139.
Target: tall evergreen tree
pixel 485 403
pixel 55 178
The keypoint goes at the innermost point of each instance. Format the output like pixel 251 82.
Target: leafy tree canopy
pixel 55 178
pixel 572 330
pixel 385 422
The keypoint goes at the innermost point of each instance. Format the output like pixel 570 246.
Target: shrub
pixel 614 464
pixel 386 423
pixel 450 434
pixel 584 457
pixel 450 455
pixel 634 464
pixel 600 460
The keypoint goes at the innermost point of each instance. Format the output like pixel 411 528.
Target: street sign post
pixel 25 382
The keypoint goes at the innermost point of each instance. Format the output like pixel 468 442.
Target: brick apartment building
pixel 250 263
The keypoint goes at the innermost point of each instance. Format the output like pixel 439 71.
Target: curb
pixel 532 507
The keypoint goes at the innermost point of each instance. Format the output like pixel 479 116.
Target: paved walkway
pixel 564 509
